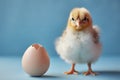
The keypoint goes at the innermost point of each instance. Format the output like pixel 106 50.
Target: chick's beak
pixel 78 26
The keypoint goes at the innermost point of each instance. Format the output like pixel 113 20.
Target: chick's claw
pixel 71 72
pixel 89 73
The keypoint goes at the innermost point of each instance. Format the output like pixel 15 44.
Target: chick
pixel 79 42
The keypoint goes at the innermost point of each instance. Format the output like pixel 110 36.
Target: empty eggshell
pixel 35 60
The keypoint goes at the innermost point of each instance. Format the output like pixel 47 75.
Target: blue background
pixel 24 22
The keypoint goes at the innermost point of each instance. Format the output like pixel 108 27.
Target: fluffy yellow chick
pixel 80 41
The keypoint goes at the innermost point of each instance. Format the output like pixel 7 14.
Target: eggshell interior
pixel 35 60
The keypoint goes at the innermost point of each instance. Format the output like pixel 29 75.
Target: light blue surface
pixel 24 22
pixel 108 69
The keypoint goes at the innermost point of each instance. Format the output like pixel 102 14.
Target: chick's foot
pixel 72 70
pixel 90 73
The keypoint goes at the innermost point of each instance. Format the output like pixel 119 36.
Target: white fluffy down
pixel 77 47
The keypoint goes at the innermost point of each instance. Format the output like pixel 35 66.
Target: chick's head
pixel 79 19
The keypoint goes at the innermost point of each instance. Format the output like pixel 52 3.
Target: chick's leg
pixel 89 72
pixel 72 70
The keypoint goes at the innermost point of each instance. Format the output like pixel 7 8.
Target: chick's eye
pixel 73 19
pixel 85 19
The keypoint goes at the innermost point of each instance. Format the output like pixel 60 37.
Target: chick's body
pixel 78 47
pixel 80 40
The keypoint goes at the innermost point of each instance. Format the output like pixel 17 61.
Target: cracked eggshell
pixel 35 60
